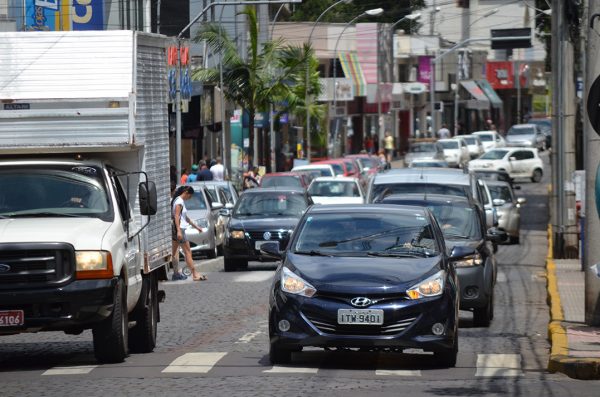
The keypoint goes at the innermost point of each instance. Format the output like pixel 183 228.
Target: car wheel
pixel 447 357
pixel 515 240
pixel 482 316
pixel 220 250
pixel 537 175
pixel 110 336
pixel 278 355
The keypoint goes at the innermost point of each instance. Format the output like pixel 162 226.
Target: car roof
pixel 434 198
pixel 366 208
pixel 276 174
pixel 334 179
pixel 423 175
pixel 527 125
pixel 310 166
pixel 484 132
pixel 278 189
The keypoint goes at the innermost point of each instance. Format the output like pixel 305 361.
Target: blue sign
pixel 87 14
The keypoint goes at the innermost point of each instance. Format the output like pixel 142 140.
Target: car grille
pixel 276 235
pixel 40 265
pixel 329 325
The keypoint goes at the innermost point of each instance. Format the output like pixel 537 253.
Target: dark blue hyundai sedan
pixel 365 276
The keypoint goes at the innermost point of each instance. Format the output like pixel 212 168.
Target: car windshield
pixel 338 169
pixel 419 163
pixel 69 190
pixel 501 192
pixel 196 202
pixel 520 131
pixel 357 234
pixel 269 204
pixel 470 140
pixel 449 144
pixel 280 181
pixel 422 147
pixel 486 137
pixel 385 189
pixel 334 189
pixel 325 171
pixel 366 163
pixel 494 155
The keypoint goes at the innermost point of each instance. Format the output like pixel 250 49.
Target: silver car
pixel 508 208
pixel 424 150
pixel 526 135
pixel 202 210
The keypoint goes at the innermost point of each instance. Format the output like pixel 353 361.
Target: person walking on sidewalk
pixel 218 170
pixel 388 144
pixel 180 222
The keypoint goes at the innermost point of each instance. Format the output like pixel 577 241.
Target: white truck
pixel 84 186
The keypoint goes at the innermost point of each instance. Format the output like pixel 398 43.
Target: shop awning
pixel 490 93
pixel 352 70
pixel 480 100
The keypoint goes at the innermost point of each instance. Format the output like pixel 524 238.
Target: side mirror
pixel 271 249
pixel 225 212
pixel 521 200
pixel 216 206
pixel 459 252
pixel 496 235
pixel 499 202
pixel 148 198
pixel 229 206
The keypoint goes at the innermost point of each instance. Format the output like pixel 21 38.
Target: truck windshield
pixel 69 190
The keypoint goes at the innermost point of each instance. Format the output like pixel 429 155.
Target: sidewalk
pixel 575 347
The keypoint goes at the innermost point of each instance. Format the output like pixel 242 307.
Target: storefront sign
pixel 500 75
pixel 424 69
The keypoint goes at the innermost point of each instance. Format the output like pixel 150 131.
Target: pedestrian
pixel 204 174
pixel 383 159
pixel 180 222
pixel 369 144
pixel 184 177
pixel 250 179
pixel 443 132
pixel 218 170
pixel 193 176
pixel 388 144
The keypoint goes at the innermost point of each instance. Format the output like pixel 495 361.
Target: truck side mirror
pixel 148 198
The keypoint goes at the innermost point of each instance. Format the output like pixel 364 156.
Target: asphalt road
pixel 213 341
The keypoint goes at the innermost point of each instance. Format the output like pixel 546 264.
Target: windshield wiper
pixel 312 253
pixel 44 214
pixel 412 250
pixel 395 254
pixel 462 236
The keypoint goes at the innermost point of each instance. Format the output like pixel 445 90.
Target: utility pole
pixel 432 19
pixel 592 159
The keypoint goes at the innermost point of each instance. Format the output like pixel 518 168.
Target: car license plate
pixel 11 318
pixel 360 316
pixel 258 244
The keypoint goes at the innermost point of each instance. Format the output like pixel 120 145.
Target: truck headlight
pixel 237 234
pixel 93 265
pixel 472 260
pixel 294 284
pixel 432 286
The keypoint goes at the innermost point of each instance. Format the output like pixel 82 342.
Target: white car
pixel 518 162
pixel 490 139
pixel 336 190
pixel 473 144
pixel 456 151
pixel 322 169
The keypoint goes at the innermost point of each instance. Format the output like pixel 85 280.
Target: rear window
pixel 449 144
pixel 486 138
pixel 280 181
pixel 422 147
pixel 521 131
pixel 382 190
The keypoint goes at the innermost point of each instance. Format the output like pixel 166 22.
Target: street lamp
pixel 178 80
pixel 306 96
pixel 372 13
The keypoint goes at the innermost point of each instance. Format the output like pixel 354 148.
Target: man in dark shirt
pixel 204 174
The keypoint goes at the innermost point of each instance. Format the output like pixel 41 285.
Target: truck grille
pixel 35 265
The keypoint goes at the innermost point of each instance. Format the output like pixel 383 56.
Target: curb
pixel 559 361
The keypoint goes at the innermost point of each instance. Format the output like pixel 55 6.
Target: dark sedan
pixel 365 276
pixel 462 224
pixel 261 215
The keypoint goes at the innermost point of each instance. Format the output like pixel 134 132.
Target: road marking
pixel 498 365
pixel 199 363
pixel 501 277
pixel 290 370
pixel 249 336
pixel 398 372
pixel 253 277
pixel 74 370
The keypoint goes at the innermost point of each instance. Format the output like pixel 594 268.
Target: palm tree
pixel 267 75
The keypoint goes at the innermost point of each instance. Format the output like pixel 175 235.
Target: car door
pixel 519 163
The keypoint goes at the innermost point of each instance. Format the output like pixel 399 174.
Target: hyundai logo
pixel 267 235
pixel 4 268
pixel 361 301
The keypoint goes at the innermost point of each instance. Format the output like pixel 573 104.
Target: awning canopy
pixel 480 100
pixel 352 70
pixel 490 93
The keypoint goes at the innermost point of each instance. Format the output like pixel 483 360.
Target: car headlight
pixel 294 284
pixel 202 223
pixel 239 234
pixel 472 260
pixel 93 265
pixel 432 286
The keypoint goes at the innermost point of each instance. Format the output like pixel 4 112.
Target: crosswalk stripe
pixel 73 370
pixel 253 277
pixel 199 363
pixel 399 372
pixel 498 365
pixel 290 370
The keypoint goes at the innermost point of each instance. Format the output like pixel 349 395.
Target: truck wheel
pixel 142 337
pixel 110 336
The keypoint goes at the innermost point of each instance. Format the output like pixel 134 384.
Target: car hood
pixel 336 200
pixel 82 233
pixel 362 274
pixel 250 224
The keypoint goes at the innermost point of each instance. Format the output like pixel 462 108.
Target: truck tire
pixel 142 337
pixel 110 336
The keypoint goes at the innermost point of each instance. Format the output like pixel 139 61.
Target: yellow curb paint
pixel 557 334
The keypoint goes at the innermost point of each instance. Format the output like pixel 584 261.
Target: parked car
pixel 545 125
pixel 509 209
pixel 456 152
pixel 340 190
pixel 518 162
pixel 205 214
pixel 322 169
pixel 473 144
pixel 325 295
pixel 424 150
pixel 495 175
pixel 285 179
pixel 262 215
pixel 463 226
pixel 490 139
pixel 429 163
pixel 347 166
pixel 526 135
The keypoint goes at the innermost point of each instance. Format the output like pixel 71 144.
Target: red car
pixel 342 166
pixel 369 164
pixel 285 179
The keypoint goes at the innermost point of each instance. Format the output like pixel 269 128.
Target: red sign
pixel 500 74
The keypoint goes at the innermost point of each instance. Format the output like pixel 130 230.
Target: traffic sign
pixel 593 105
